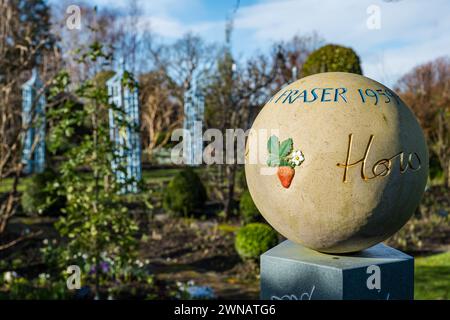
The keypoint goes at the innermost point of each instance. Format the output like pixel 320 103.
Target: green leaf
pixel 285 163
pixel 273 145
pixel 286 148
pixel 273 160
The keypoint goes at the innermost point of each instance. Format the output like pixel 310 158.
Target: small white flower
pixel 139 263
pixel 9 276
pixel 45 241
pixel 297 157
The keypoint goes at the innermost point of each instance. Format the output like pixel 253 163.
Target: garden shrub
pixel 184 194
pixel 254 239
pixel 411 236
pixel 248 209
pixel 43 287
pixel 435 170
pixel 429 224
pixel 332 58
pixel 41 194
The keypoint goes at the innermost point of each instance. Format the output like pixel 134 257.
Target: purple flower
pixel 93 270
pixel 104 266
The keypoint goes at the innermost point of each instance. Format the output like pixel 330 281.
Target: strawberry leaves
pixel 273 160
pixel 273 145
pixel 278 153
pixel 286 148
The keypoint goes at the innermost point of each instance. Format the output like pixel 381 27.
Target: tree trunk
pixel 447 176
pixel 229 198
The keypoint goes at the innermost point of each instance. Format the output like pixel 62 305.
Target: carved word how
pixel 382 167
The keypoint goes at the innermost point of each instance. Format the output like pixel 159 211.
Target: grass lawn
pixel 159 175
pixel 432 277
pixel 149 176
pixel 7 183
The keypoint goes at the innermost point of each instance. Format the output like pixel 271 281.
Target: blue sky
pixel 411 31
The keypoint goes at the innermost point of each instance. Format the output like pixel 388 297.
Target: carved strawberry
pixel 285 174
pixel 283 156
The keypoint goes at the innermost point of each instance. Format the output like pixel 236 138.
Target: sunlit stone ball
pixel 346 166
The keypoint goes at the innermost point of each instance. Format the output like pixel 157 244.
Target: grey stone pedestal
pixel 290 271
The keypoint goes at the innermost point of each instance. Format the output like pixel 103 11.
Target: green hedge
pixel 41 194
pixel 185 194
pixel 254 239
pixel 332 58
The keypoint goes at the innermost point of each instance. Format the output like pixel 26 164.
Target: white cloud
pixel 173 29
pixel 412 32
pixel 166 27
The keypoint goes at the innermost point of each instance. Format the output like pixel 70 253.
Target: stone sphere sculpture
pixel 336 162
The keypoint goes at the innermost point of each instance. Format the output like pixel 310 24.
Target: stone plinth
pixel 290 271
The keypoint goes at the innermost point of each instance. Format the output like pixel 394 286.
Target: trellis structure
pixel 194 109
pixel 33 117
pixel 124 131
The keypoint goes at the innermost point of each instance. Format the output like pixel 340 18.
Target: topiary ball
pixel 249 211
pixel 254 239
pixel 184 194
pixel 332 58
pixel 41 194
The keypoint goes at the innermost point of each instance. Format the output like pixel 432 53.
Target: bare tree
pixel 24 40
pixel 185 59
pixel 130 36
pixel 175 67
pixel 96 25
pixel 160 112
pixel 426 89
pixel 291 55
pixel 235 94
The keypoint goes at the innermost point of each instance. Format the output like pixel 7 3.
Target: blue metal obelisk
pixel 33 117
pixel 124 131
pixel 194 109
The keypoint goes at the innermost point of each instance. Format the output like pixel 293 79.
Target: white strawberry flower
pixel 297 157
